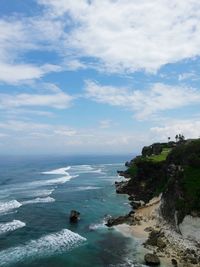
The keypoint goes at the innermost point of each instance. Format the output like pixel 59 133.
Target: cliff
pixel 172 169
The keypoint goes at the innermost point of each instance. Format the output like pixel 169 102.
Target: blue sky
pixel 107 77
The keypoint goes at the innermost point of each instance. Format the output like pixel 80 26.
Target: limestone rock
pixel 151 259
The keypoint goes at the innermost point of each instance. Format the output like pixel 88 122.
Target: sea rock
pixel 115 221
pixel 74 216
pixel 128 219
pixel 151 259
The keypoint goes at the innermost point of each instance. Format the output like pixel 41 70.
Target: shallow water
pixel 36 196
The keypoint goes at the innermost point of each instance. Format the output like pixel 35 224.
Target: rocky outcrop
pixel 74 216
pixel 151 259
pixel 147 182
pixel 128 219
pixel 121 187
pixel 125 174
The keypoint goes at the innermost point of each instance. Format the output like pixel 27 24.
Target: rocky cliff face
pixel 174 171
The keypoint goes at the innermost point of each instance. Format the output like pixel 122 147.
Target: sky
pixel 97 76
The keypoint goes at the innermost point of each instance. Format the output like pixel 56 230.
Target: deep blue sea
pixel 36 197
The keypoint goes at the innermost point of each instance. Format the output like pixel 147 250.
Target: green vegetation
pixel 172 169
pixel 162 156
pixel 132 170
pixel 191 185
pixel 191 181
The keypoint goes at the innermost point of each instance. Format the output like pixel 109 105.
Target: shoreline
pixel 171 248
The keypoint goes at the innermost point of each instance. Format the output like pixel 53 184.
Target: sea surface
pixel 36 197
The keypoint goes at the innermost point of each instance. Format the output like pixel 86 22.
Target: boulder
pixel 161 243
pixel 74 216
pixel 174 262
pixel 151 259
pixel 115 221
pixel 153 237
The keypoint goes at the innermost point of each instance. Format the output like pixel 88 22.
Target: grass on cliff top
pixel 161 157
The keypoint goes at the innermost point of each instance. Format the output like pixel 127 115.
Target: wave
pixel 55 181
pixel 40 193
pixel 83 188
pixel 96 226
pixel 82 167
pixel 58 171
pixel 85 169
pixel 45 246
pixel 39 200
pixel 11 226
pixel 9 205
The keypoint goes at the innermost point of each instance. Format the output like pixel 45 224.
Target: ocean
pixel 37 194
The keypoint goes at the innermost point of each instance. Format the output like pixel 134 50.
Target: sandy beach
pixel 149 220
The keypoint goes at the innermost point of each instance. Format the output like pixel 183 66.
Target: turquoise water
pixel 36 196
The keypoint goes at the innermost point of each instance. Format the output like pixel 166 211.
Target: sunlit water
pixel 36 196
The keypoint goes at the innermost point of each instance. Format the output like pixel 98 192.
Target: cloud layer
pixel 144 103
pixel 128 35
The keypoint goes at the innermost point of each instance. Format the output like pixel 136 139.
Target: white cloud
pixel 105 124
pixel 23 73
pixel 65 132
pixel 189 128
pixel 58 100
pixel 74 64
pixel 188 76
pixel 19 36
pixel 131 35
pixel 144 103
pixel 115 36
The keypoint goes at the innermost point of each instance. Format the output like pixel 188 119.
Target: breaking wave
pixel 61 171
pixel 11 226
pixel 45 246
pixel 83 188
pixel 39 200
pixel 9 205
pixel 55 181
pixel 96 226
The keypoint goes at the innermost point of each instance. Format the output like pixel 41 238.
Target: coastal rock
pixel 174 262
pixel 121 187
pixel 151 259
pixel 161 243
pixel 128 219
pixel 124 174
pixel 74 216
pixel 153 238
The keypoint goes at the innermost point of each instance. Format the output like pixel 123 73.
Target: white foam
pixel 55 181
pixel 58 171
pixel 96 226
pixel 83 188
pixel 39 200
pixel 9 205
pixel 45 246
pixel 40 193
pixel 82 167
pixel 11 226
pixel 85 169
